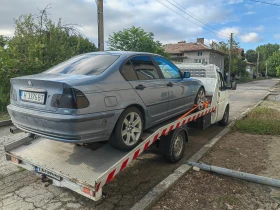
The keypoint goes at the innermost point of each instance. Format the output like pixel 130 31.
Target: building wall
pixel 250 70
pixel 208 57
pixel 193 57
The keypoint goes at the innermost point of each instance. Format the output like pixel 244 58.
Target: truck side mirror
pixel 233 85
pixel 187 74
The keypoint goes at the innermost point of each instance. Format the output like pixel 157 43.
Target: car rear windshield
pixel 87 64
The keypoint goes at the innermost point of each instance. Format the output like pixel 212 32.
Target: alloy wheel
pixel 200 99
pixel 131 128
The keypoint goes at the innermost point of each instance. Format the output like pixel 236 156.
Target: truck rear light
pixel 87 191
pixel 15 160
pixel 70 99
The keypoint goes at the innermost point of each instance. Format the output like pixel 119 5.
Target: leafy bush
pixel 37 45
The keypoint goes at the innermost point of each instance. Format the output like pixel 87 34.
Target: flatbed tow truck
pixel 86 170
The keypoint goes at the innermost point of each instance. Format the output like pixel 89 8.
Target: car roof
pixel 125 53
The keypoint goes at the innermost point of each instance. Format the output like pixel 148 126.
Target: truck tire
pixel 224 120
pixel 128 129
pixel 200 98
pixel 176 146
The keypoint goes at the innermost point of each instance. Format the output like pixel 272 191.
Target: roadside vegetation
pixel 38 43
pixel 263 120
pixel 4 116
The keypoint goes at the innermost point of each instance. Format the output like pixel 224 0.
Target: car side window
pixel 169 70
pixel 128 71
pixel 144 67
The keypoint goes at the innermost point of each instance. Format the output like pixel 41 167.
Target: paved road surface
pixel 21 189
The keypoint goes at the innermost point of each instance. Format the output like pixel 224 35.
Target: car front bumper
pixel 67 128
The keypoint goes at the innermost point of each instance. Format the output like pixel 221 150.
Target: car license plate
pixel 32 97
pixel 47 173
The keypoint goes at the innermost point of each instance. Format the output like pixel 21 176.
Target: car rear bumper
pixel 67 128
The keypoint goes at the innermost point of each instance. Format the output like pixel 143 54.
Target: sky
pixel 252 23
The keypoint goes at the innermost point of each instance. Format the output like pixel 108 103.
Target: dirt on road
pixel 257 154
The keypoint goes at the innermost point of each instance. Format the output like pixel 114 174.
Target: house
pixel 250 69
pixel 198 52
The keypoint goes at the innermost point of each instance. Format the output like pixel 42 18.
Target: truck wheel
pixel 176 146
pixel 200 99
pixel 224 120
pixel 128 129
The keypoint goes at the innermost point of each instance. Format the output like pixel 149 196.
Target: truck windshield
pixel 86 64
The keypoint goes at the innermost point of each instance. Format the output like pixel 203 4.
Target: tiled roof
pixel 187 47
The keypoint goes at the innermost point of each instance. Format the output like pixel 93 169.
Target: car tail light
pixel 13 93
pixel 70 99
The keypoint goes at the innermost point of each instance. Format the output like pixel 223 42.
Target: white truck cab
pixel 209 75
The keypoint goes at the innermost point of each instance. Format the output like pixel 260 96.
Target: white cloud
pixel 209 41
pixel 251 37
pixel 249 13
pixel 259 28
pixel 276 36
pixel 234 1
pixel 7 32
pixel 225 32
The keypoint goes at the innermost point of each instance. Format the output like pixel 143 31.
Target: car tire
pixel 200 99
pixel 176 145
pixel 224 120
pixel 128 130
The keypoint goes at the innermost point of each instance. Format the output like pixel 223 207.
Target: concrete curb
pixel 150 199
pixel 5 123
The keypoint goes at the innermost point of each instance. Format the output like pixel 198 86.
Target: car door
pixel 179 88
pixel 149 85
pixel 223 96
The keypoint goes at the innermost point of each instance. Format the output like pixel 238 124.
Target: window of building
pixel 144 67
pixel 199 53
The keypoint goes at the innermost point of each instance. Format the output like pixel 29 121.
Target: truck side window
pixel 221 82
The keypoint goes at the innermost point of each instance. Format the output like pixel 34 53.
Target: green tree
pixel 273 64
pixel 238 65
pixel 265 51
pixel 135 39
pixel 251 56
pixel 38 44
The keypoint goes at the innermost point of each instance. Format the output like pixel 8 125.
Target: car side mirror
pixel 232 86
pixel 187 74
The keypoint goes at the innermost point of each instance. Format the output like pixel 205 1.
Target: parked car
pixel 102 96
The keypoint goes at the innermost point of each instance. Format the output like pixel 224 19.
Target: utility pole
pixel 230 53
pixel 258 65
pixel 100 25
pixel 266 70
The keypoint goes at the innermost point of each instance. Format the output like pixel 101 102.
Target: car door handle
pixel 170 84
pixel 140 87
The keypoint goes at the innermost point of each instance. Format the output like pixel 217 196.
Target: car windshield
pixel 86 64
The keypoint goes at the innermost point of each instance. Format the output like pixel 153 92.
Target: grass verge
pixel 263 120
pixel 4 116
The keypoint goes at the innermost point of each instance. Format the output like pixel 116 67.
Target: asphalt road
pixel 20 189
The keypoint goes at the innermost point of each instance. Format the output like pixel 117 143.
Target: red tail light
pixel 70 99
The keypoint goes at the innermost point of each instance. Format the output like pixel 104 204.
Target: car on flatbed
pixel 103 96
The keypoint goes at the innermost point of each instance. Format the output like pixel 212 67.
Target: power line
pixel 187 18
pixel 278 5
pixel 195 17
